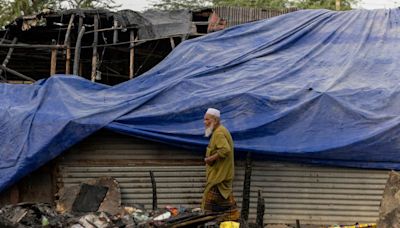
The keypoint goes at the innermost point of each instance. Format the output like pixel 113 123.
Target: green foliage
pixel 11 9
pixel 180 4
pixel 271 4
pixel 324 4
pixel 102 4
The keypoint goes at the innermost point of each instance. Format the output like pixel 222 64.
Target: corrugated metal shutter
pixel 312 194
pixel 318 195
pixel 240 15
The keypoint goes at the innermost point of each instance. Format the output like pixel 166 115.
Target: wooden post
pixel 67 43
pixel 53 63
pixel 78 51
pixel 260 210
pixel 298 223
pixel 337 5
pixel 80 23
pixel 246 189
pixel 171 40
pixel 154 187
pixel 132 55
pixel 115 37
pixel 95 40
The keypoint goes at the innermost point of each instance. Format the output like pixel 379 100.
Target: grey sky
pixel 140 5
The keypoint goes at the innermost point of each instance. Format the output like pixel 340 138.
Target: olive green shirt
pixel 221 172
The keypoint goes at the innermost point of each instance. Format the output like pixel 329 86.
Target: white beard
pixel 208 131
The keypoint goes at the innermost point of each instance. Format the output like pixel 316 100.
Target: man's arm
pixel 223 149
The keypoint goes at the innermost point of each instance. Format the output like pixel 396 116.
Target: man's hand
pixel 210 160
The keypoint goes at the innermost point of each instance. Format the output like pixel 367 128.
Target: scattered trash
pixel 229 224
pixel 373 225
pixel 97 204
pixel 164 216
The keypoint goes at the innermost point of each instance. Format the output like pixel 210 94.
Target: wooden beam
pixel 32 46
pixel 17 73
pixel 115 36
pixel 95 40
pixel 67 44
pixel 53 62
pixel 10 51
pixel 78 51
pixel 109 29
pixel 132 55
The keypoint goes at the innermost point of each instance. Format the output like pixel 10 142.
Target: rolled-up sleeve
pixel 222 145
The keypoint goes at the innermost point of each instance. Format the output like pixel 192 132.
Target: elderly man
pixel 219 161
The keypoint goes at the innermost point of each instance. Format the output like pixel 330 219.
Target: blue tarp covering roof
pixel 314 86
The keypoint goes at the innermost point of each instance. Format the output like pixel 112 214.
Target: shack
pixel 312 194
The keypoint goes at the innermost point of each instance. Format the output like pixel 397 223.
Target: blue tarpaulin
pixel 315 86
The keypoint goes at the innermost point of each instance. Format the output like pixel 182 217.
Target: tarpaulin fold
pixel 311 86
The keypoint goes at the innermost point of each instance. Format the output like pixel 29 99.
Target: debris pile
pixel 97 204
pixel 44 215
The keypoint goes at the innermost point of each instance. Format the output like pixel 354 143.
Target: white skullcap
pixel 214 112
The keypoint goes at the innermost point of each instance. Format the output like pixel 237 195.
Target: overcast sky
pixel 140 5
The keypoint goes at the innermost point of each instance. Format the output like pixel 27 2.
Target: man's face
pixel 209 120
pixel 209 123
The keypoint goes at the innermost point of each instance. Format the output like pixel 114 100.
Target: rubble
pixel 97 204
pixel 106 193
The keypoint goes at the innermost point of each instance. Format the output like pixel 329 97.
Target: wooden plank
pixel 94 54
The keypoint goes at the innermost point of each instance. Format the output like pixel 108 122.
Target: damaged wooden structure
pixel 104 46
pixel 110 48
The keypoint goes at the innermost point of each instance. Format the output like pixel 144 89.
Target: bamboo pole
pixel 78 51
pixel 8 56
pixel 95 40
pixel 53 63
pixel 32 46
pixel 67 44
pixel 132 55
pixel 80 23
pixel 115 37
pixel 16 73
